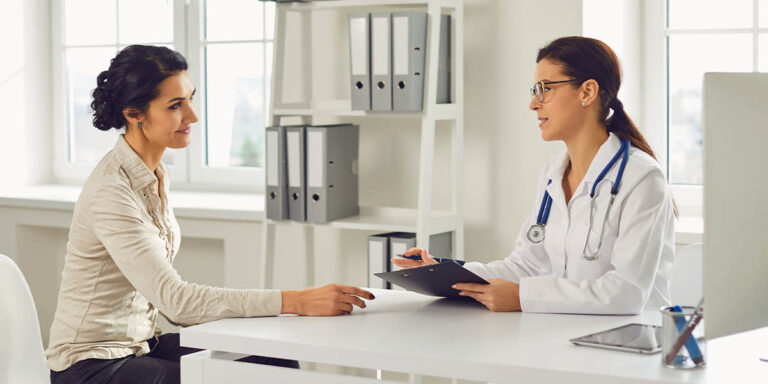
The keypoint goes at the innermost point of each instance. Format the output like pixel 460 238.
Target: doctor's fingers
pixel 413 251
pixel 406 263
pixel 479 288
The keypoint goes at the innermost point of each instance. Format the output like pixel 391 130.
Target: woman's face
pixel 169 117
pixel 561 113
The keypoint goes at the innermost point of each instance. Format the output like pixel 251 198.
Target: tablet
pixel 641 338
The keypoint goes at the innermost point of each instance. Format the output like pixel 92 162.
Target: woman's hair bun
pixel 131 82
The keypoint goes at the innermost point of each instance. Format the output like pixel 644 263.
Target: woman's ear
pixel 133 116
pixel 589 92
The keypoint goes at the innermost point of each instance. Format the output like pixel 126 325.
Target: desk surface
pixel 408 332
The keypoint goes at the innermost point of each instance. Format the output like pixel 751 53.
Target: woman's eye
pixel 176 106
pixel 546 89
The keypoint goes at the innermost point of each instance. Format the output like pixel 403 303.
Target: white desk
pixel 406 332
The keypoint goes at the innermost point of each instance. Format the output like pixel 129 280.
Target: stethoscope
pixel 536 232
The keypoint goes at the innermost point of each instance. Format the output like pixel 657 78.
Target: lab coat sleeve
pixel 644 217
pixel 528 259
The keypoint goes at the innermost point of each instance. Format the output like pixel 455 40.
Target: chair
pixel 21 348
pixel 687 275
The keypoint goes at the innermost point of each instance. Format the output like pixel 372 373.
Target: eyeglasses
pixel 540 88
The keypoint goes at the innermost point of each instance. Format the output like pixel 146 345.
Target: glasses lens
pixel 538 90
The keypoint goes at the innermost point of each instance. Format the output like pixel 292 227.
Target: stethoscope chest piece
pixel 536 233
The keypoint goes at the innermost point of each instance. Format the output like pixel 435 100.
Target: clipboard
pixel 433 280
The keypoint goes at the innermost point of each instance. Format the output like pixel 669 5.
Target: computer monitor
pixel 735 123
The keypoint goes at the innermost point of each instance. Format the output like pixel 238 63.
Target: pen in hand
pixel 438 259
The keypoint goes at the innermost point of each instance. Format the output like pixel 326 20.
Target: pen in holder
pixel 682 343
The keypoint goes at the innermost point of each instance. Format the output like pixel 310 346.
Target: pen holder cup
pixel 692 352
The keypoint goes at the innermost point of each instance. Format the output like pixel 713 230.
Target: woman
pixel 124 237
pixel 600 238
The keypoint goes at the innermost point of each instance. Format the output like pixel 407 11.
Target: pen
pixel 686 337
pixel 438 259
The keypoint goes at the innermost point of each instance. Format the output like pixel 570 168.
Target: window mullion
pixel 755 32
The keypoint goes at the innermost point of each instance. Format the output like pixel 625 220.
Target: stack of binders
pixel 312 172
pixel 384 247
pixel 387 60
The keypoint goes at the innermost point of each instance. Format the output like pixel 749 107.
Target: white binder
pixel 359 55
pixel 381 62
pixel 332 180
pixel 296 166
pixel 277 204
pixel 409 45
pixel 378 259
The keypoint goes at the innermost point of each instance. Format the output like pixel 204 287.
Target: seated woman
pixel 124 236
pixel 601 235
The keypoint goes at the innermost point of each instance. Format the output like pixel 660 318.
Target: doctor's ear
pixel 133 116
pixel 589 92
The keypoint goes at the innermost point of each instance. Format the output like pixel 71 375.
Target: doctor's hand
pixel 499 295
pixel 426 259
pixel 329 300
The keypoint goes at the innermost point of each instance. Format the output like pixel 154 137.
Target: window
pixel 705 36
pixel 228 46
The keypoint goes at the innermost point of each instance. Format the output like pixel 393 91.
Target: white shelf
pixel 439 112
pixel 386 219
pixel 340 4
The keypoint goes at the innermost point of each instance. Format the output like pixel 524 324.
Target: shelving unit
pixel 422 220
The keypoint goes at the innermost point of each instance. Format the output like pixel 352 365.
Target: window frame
pixel 189 170
pixel 656 99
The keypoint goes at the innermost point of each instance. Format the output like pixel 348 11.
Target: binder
pixel 381 62
pixel 359 55
pixel 332 180
pixel 296 166
pixel 277 204
pixel 378 260
pixel 409 43
pixel 444 61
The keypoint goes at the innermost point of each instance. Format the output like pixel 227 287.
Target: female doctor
pixel 600 237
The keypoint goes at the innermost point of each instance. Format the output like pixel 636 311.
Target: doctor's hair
pixel 131 82
pixel 583 58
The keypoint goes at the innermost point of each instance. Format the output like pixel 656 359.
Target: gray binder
pixel 360 58
pixel 381 62
pixel 409 43
pixel 378 259
pixel 277 204
pixel 332 188
pixel 444 61
pixel 296 166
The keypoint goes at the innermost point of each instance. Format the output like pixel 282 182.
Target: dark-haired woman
pixel 124 236
pixel 600 237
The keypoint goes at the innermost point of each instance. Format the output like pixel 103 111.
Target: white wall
pixel 25 97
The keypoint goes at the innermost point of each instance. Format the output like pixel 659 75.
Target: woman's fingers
pixel 344 307
pixel 348 299
pixel 350 290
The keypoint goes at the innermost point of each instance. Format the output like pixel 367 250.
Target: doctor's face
pixel 558 108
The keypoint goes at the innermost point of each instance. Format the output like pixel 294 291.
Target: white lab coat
pixel 632 272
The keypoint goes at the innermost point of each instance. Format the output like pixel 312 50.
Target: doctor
pixel 600 237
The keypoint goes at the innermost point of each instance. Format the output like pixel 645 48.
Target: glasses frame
pixel 538 89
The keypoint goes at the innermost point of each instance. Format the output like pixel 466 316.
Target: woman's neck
pixel 582 149
pixel 150 154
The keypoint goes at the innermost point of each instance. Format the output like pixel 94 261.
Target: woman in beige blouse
pixel 124 236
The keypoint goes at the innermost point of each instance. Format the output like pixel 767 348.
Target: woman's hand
pixel 426 259
pixel 329 300
pixel 499 296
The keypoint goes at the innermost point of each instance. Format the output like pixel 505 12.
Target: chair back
pixel 22 359
pixel 687 275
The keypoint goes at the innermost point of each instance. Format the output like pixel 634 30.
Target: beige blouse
pixel 118 273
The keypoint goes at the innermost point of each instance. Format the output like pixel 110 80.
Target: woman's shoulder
pixel 108 181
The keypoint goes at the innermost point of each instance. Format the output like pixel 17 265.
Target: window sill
pixel 186 205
